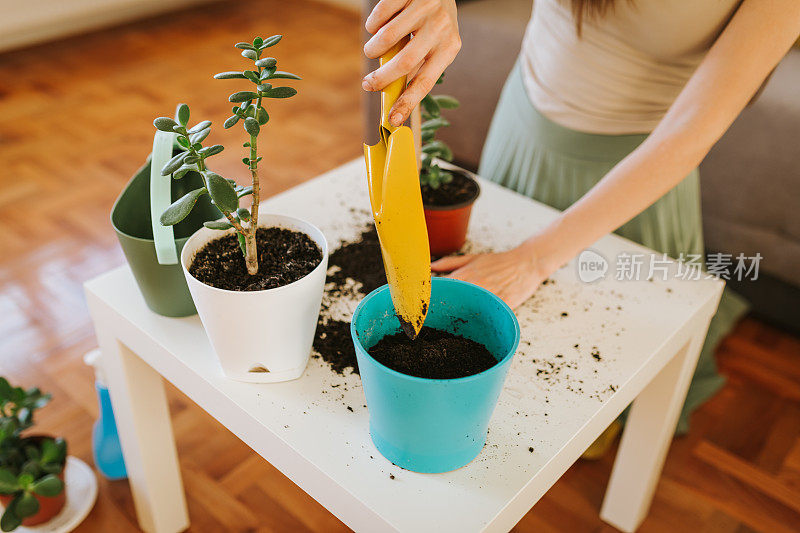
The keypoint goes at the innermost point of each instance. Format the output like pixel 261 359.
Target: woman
pixel 607 114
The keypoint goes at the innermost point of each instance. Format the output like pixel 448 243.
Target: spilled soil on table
pixel 360 261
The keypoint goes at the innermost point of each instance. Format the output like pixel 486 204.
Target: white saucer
pixel 81 495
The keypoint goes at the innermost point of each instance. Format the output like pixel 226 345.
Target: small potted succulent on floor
pixel 31 466
pixel 256 279
pixel 447 194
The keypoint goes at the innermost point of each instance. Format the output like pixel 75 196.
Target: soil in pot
pixel 435 354
pixel 459 190
pixel 284 256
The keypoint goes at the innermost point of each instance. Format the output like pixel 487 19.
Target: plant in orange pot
pixel 31 466
pixel 447 194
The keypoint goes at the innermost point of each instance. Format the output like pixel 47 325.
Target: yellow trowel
pixel 394 192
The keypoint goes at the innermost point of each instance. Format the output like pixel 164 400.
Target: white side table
pixel 587 351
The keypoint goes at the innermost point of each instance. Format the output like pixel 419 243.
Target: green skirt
pixel 534 156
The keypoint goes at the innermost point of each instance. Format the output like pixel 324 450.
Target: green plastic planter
pixel 163 286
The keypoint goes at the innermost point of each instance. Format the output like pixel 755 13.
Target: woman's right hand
pixel 435 43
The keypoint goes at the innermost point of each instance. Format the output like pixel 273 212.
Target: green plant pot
pixel 163 286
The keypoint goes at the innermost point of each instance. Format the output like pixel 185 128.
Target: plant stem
pixel 251 252
pixel 201 166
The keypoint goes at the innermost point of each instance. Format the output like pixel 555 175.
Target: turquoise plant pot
pixel 434 425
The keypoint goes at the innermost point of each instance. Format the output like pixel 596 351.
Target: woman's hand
pixel 513 275
pixel 434 45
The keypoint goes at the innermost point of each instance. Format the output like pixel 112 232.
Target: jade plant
pixel 431 174
pixel 226 193
pixel 29 466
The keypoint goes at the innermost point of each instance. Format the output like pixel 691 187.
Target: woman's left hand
pixel 513 275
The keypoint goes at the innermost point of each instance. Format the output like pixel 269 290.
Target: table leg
pixel 648 433
pixel 145 430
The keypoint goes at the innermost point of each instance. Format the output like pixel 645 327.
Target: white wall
pixel 25 22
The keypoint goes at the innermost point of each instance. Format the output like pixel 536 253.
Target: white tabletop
pixel 556 400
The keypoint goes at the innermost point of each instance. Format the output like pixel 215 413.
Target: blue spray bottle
pixel 105 439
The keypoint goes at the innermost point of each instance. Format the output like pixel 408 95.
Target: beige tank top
pixel 628 66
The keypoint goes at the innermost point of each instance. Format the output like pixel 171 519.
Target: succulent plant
pixel 431 174
pixel 29 466
pixel 225 192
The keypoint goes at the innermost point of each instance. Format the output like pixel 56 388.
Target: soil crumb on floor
pixel 284 256
pixel 435 354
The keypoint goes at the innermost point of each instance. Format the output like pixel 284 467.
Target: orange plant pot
pixel 447 226
pixel 49 506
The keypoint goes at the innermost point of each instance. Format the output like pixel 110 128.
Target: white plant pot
pixel 260 336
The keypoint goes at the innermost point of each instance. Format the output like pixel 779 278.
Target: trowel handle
pixel 391 92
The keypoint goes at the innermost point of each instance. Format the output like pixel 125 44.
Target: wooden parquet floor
pixel 75 123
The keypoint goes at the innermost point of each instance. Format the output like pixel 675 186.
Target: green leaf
pixel 174 163
pixel 251 75
pixel 24 480
pixel 244 46
pixel 285 75
pixel 262 116
pixel 229 75
pixel 191 159
pixel 267 62
pixel 222 193
pixel 50 485
pixel 220 224
pixel 243 213
pixel 165 124
pixel 6 390
pixel 242 96
pixel 181 172
pixel 200 126
pixel 208 151
pixel 241 192
pixel 242 244
pixel 200 136
pixel 439 149
pixel 184 142
pixel 10 521
pixel 271 41
pixel 250 54
pixel 27 505
pixel 230 121
pixel 54 451
pixel 8 482
pixel 182 114
pixel 280 92
pixel 434 124
pixel 430 106
pixel 181 208
pixel 251 126
pixel 258 41
pixel 446 102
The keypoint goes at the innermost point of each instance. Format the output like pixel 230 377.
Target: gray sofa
pixel 750 180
